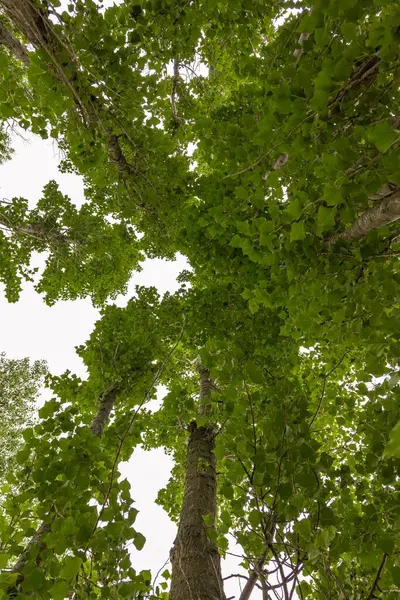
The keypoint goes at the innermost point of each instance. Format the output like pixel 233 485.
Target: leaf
pixel 332 195
pixel 395 572
pixel 139 540
pixel 236 241
pixel 49 409
pixel 393 446
pixel 59 591
pixel 4 558
pixel 294 209
pixel 70 567
pixel 255 372
pixel 326 218
pixel 34 580
pixel 297 231
pixel 349 31
pixel 382 136
pixel 386 543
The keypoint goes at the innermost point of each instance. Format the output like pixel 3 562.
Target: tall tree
pixel 287 213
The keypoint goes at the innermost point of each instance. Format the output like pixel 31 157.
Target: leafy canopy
pixel 287 213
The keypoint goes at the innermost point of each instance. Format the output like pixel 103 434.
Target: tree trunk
pixel 384 212
pixel 196 564
pixel 13 45
pixel 103 413
pixel 97 427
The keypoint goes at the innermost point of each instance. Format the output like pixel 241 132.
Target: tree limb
pixel 387 210
pixel 371 595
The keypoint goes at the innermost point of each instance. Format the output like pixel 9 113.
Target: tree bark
pixel 387 210
pixel 13 45
pixel 252 580
pixel 196 563
pixel 103 413
pixel 36 542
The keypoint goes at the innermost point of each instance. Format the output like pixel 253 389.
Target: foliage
pixel 85 252
pixel 20 383
pixel 294 121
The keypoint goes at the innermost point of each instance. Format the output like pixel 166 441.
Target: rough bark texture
pixel 28 19
pixel 37 545
pixel 13 45
pixel 196 564
pixel 196 568
pixel 207 387
pixel 386 210
pixel 103 413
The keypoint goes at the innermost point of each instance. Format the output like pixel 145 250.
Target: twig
pixel 371 595
pixel 324 387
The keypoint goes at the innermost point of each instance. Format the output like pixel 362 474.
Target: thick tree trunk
pixel 13 45
pixel 385 211
pixel 196 564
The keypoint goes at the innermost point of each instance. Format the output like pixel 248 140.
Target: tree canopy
pixel 261 141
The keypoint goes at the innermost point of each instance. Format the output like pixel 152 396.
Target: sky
pixel 30 328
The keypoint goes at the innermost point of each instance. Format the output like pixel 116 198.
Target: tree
pixel 85 252
pixel 20 384
pixel 287 213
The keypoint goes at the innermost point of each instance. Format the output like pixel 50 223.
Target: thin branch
pixel 371 595
pixel 131 422
pixel 324 388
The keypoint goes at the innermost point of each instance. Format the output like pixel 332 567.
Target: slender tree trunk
pixel 196 563
pixel 35 25
pixel 385 211
pixel 103 412
pixel 252 580
pixel 97 427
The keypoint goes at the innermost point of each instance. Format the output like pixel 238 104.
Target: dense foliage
pixel 261 141
pixel 20 383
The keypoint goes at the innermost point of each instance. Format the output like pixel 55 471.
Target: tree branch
pixel 386 211
pixel 371 595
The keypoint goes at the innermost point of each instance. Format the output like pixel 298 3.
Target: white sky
pixel 30 328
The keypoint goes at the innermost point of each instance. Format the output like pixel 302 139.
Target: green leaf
pixel 297 232
pixel 70 567
pixel 139 540
pixel 326 218
pixel 49 408
pixel 349 31
pixel 255 372
pixel 332 196
pixel 236 241
pixel 4 558
pixel 382 136
pixel 393 446
pixel 59 590
pixel 294 209
pixel 395 573
pixel 34 580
